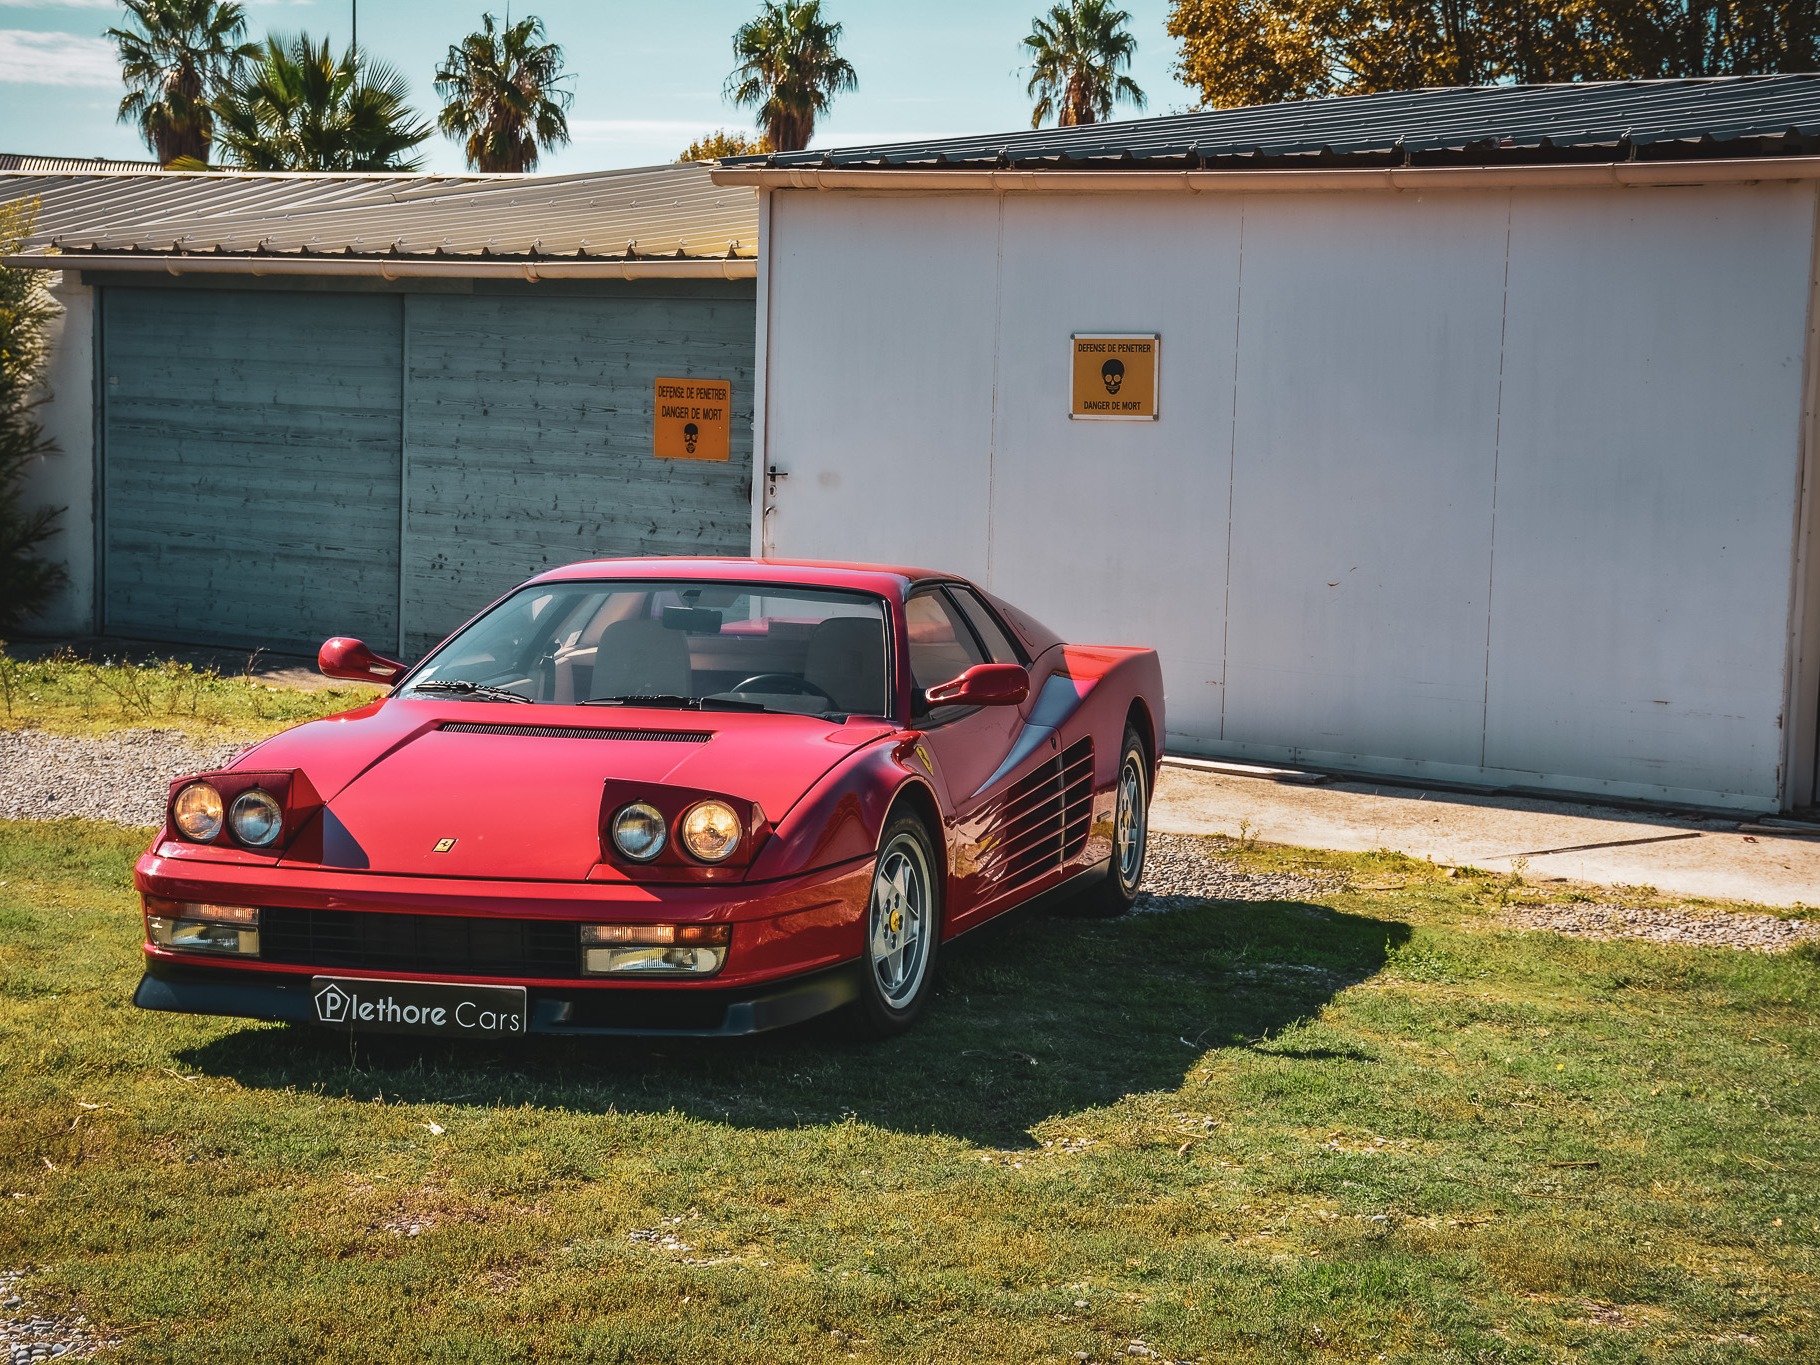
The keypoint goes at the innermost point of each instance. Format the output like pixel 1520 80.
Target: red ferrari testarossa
pixel 682 796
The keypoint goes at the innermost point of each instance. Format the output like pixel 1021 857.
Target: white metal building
pixel 1484 442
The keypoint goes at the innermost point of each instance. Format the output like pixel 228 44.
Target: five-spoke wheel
pixel 903 927
pixel 1114 894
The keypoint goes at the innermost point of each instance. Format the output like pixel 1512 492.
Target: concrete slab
pixel 1578 841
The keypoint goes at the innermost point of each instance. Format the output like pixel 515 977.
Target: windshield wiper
pixel 461 686
pixel 676 702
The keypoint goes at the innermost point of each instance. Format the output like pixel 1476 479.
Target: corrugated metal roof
pixel 25 161
pixel 672 212
pixel 1605 120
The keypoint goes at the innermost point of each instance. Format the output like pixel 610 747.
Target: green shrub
pixel 27 579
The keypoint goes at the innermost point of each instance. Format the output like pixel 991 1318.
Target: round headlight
pixel 638 831
pixel 711 831
pixel 256 817
pixel 197 811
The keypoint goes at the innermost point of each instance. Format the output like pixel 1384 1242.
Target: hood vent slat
pixel 579 732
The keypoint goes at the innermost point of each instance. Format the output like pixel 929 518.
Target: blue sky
pixel 648 75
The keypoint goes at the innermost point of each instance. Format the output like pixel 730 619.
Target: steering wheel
pixel 788 683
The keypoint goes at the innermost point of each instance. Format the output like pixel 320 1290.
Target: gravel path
pixel 1698 928
pixel 122 778
pixel 28 1338
pixel 1180 873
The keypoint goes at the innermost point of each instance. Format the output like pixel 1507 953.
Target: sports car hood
pixel 469 789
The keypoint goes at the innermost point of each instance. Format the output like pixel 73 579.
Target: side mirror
pixel 983 685
pixel 346 658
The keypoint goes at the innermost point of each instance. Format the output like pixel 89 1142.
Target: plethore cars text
pixel 688 796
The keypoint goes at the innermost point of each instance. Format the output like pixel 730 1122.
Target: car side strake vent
pixel 579 732
pixel 1043 819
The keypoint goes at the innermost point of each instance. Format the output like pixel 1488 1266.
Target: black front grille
pixel 455 944
pixel 467 727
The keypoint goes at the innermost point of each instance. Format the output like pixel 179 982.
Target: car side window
pixel 941 645
pixel 998 644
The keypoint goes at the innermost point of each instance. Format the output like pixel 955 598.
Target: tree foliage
pixel 502 94
pixel 1260 51
pixel 176 57
pixel 27 579
pixel 723 142
pixel 789 69
pixel 1076 53
pixel 299 108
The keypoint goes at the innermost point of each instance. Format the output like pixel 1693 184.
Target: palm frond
pixel 1076 55
pixel 176 56
pixel 789 68
pixel 300 107
pixel 504 95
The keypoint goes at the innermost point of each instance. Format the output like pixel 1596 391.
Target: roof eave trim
pixel 391 268
pixel 1585 175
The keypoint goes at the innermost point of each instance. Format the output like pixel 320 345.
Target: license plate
pixel 460 1010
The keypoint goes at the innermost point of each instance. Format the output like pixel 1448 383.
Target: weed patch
pixel 65 694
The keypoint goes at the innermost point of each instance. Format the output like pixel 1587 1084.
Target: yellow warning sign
pixel 1115 376
pixel 694 419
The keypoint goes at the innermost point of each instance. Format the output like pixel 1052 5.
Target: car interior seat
pixel 641 658
pixel 846 659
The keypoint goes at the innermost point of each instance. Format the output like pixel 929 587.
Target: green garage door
pixel 257 444
pixel 528 419
pixel 250 457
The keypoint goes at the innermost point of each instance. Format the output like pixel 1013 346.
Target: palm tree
pixel 176 58
pixel 501 91
pixel 1076 55
pixel 789 68
pixel 301 109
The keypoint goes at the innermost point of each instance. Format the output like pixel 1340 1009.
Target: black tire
pixel 893 992
pixel 1116 892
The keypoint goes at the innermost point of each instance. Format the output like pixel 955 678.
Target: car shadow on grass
pixel 1035 1016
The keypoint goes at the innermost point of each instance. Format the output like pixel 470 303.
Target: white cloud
pixel 28 58
pixel 59 4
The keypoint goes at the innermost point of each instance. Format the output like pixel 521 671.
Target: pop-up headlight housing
pixel 678 834
pixel 258 811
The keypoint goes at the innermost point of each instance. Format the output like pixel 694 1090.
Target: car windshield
pixel 708 646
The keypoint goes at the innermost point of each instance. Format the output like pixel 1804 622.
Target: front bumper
pixel 794 945
pixel 566 1009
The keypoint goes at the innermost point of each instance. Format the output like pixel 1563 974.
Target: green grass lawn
pixel 1371 1128
pixel 65 694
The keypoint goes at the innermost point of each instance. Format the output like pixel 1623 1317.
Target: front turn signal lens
pixel 197 811
pixel 199 927
pixel 638 831
pixel 654 949
pixel 710 831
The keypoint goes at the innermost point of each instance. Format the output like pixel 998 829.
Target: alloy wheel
pixel 899 921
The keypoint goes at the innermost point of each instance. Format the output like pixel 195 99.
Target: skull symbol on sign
pixel 1112 374
pixel 691 434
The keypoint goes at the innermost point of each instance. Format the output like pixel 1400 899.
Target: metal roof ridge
pixel 1610 173
pixel 1695 98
